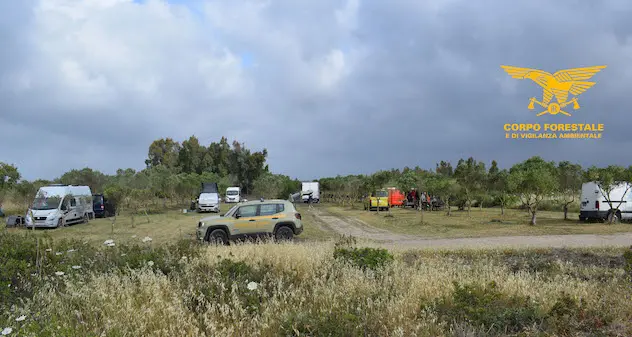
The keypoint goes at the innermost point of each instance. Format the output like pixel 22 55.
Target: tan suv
pixel 275 217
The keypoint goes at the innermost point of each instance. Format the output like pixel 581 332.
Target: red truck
pixel 395 197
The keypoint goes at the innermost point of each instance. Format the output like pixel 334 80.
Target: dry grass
pixel 302 290
pixel 481 223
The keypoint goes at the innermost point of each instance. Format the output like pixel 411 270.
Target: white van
pixel 595 206
pixel 232 194
pixel 313 188
pixel 55 205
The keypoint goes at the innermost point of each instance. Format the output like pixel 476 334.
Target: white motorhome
pixel 233 194
pixel 312 188
pixel 208 201
pixel 56 205
pixel 595 206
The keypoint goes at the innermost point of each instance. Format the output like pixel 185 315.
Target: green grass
pixel 162 228
pixel 480 223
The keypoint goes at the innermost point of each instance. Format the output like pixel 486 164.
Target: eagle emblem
pixel 560 84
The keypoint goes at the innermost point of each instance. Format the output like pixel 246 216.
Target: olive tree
pixel 470 175
pixel 570 183
pixel 533 180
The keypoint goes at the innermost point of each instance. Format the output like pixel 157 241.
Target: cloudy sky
pixel 328 87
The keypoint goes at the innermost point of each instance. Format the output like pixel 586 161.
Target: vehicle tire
pixel 217 237
pixel 614 218
pixel 284 233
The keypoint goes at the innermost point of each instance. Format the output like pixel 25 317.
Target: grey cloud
pixel 425 83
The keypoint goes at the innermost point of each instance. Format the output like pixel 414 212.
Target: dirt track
pixel 360 229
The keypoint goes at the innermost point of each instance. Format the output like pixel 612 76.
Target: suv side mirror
pixel 237 216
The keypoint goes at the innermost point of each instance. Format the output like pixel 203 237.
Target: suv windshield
pixel 41 204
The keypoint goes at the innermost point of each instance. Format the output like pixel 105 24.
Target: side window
pixel 73 202
pixel 280 208
pixel 268 209
pixel 248 211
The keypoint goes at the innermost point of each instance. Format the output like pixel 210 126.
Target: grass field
pixel 161 228
pixel 310 289
pixel 481 223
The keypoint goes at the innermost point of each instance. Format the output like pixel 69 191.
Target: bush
pixel 627 263
pixel 364 258
pixel 568 318
pixel 487 307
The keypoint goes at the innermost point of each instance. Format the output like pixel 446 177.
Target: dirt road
pixel 360 229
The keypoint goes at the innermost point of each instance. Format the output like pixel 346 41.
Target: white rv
pixel 233 194
pixel 55 205
pixel 595 206
pixel 312 188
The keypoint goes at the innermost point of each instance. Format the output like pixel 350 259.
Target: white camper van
pixel 55 205
pixel 595 206
pixel 312 188
pixel 208 201
pixel 232 194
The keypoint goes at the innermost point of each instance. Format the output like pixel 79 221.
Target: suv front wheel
pixel 218 237
pixel 284 233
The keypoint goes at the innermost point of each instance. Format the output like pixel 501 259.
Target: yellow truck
pixel 377 199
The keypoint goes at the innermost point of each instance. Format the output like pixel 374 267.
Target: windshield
pixel 231 212
pixel 41 204
pixel 232 192
pixel 208 196
pixel 382 194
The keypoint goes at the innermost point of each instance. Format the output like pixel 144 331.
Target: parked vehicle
pixel 377 200
pixel 277 218
pixel 395 197
pixel 233 194
pixel 56 205
pixel 102 207
pixel 314 188
pixel 412 199
pixel 595 206
pixel 208 201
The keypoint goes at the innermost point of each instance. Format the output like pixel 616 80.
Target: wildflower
pixel 150 263
pixel 34 274
pixel 71 250
pixel 58 253
pixel 123 254
pixel 76 267
pixel 85 242
pixel 108 242
pixel 252 286
pixel 146 239
pixel 111 244
pixel 20 319
pixel 49 250
pixel 133 236
pixel 6 331
pixel 59 273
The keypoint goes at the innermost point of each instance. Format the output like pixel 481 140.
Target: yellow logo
pixel 559 85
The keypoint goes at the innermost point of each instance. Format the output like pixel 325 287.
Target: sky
pixel 327 87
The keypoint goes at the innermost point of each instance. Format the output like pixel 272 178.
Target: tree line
pixel 174 172
pixel 470 183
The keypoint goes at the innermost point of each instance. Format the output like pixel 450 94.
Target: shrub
pixel 627 264
pixel 568 318
pixel 486 306
pixel 364 258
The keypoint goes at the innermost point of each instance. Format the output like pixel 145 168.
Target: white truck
pixel 310 187
pixel 595 205
pixel 233 194
pixel 58 205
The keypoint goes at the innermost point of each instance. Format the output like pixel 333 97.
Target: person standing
pixel 309 201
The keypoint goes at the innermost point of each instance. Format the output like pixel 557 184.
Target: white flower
pixel 59 273
pixel 123 254
pixel 108 242
pixel 150 263
pixel 9 285
pixel 58 253
pixel 76 267
pixel 49 250
pixel 111 244
pixel 34 274
pixel 20 319
pixel 146 239
pixel 6 331
pixel 85 242
pixel 133 236
pixel 252 286
pixel 71 250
